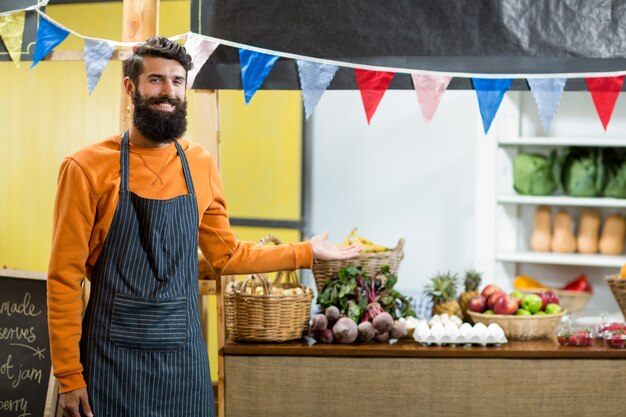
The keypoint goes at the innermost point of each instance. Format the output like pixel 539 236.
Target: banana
pixel 368 246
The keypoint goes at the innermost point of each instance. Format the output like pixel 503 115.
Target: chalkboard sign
pixel 25 385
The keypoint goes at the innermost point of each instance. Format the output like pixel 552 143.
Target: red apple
pixel 505 305
pixel 491 301
pixel 477 304
pixel 552 297
pixel 489 289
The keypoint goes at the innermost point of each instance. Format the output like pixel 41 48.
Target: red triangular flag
pixel 372 85
pixel 604 92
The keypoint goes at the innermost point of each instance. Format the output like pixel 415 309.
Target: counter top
pixel 532 349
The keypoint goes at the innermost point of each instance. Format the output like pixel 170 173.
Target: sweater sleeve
pixel 227 255
pixel 74 213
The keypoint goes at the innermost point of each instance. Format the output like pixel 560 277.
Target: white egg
pixel 421 334
pixel 452 331
pixel 444 318
pixel 467 331
pixel 481 331
pixel 434 319
pixel 456 320
pixel 437 331
pixel 495 331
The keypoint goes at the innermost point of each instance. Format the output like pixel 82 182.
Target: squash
pixel 541 238
pixel 563 240
pixel 613 234
pixel 588 231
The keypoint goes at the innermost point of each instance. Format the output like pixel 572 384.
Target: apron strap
pixel 125 165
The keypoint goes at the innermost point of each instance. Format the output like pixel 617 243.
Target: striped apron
pixel 142 347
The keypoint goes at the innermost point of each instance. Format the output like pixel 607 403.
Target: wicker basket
pixel 521 327
pixel 263 315
pixel 371 263
pixel 618 288
pixel 570 300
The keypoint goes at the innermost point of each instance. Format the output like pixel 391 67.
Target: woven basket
pixel 570 300
pixel 618 288
pixel 521 327
pixel 262 314
pixel 371 263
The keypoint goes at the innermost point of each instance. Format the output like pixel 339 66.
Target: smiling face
pixel 160 112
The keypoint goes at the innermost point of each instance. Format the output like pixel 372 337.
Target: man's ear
pixel 129 87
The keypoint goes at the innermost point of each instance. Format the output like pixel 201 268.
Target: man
pixel 130 214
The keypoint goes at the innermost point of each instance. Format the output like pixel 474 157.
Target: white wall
pixel 398 178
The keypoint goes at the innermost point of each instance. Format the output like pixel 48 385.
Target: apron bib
pixel 142 347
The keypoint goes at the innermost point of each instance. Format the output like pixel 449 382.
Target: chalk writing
pixel 25 307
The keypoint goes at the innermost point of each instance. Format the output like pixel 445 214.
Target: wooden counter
pixel 515 379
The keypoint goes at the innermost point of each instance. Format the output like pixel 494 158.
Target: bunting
pixel 547 93
pixel 200 50
pixel 49 36
pixel 255 67
pixel 314 80
pixel 429 89
pixel 372 85
pixel 490 93
pixel 604 92
pixel 97 56
pixel 11 33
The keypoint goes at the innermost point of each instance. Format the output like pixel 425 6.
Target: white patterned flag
pixel 200 50
pixel 429 89
pixel 11 33
pixel 97 56
pixel 547 93
pixel 314 80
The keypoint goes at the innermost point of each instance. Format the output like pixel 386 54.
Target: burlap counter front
pixel 518 379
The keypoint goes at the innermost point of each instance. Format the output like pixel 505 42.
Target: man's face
pixel 160 112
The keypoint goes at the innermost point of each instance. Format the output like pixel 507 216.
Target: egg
pixel 495 331
pixel 456 320
pixel 452 331
pixel 421 333
pixel 481 331
pixel 434 319
pixel 437 331
pixel 444 318
pixel 467 331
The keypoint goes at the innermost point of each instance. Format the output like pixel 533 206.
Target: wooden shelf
pixel 562 259
pixel 561 201
pixel 549 141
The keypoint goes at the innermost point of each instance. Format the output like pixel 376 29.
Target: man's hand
pixel 70 402
pixel 324 251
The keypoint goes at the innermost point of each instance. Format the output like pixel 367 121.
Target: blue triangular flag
pixel 97 55
pixel 547 92
pixel 314 80
pixel 48 37
pixel 490 93
pixel 255 67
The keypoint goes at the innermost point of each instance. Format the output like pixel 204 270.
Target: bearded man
pixel 130 214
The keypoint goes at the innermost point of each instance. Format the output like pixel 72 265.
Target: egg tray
pixel 448 341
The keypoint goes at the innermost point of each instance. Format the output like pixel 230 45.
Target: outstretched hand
pixel 325 251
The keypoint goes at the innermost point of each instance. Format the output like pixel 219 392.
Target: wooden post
pixel 140 21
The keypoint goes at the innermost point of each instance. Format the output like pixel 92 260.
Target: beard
pixel 159 126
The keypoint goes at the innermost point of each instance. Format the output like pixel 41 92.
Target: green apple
pixel 540 313
pixel 517 294
pixel 488 312
pixel 523 312
pixel 553 308
pixel 531 302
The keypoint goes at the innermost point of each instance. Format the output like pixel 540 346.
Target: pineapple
pixel 472 282
pixel 442 290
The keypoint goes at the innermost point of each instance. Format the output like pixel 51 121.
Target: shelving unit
pixel 505 219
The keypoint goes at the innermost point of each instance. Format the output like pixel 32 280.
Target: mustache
pixel 158 100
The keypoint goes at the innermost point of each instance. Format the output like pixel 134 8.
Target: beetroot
pixel 383 322
pixel 332 314
pixel 382 337
pixel 345 330
pixel 325 336
pixel 366 331
pixel 319 322
pixel 398 331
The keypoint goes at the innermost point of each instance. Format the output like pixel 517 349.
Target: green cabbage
pixel 582 172
pixel 616 173
pixel 532 174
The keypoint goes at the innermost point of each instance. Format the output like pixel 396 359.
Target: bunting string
pixel 316 73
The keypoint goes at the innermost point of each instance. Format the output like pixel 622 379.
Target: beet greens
pixel 362 298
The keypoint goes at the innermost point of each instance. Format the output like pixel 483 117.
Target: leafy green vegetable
pixel 532 174
pixel 582 172
pixel 615 163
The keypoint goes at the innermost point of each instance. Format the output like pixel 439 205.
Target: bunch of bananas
pixel 366 244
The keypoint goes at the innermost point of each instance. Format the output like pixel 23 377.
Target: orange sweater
pixel 88 188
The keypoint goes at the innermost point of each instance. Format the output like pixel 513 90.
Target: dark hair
pixel 160 47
